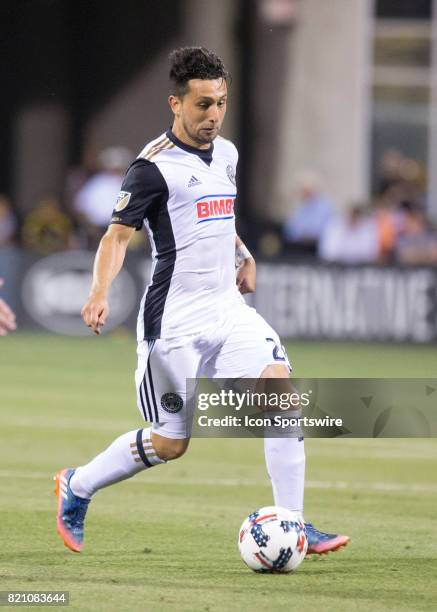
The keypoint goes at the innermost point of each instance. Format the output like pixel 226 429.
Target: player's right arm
pixel 143 188
pixel 108 262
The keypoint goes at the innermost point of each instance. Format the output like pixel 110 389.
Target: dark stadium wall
pixel 32 65
pixel 265 44
pixel 404 9
pixel 91 73
pixel 110 43
pixel 138 111
pixel 67 58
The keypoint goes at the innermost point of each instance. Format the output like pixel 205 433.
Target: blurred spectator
pixel 400 177
pixel 390 169
pixel 96 199
pixel 305 225
pixel 47 229
pixel 417 242
pixel 350 239
pixel 8 222
pixel 387 224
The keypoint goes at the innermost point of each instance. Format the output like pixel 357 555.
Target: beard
pixel 203 136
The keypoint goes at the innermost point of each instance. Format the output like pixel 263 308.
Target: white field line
pixel 68 423
pixel 230 482
pixel 357 448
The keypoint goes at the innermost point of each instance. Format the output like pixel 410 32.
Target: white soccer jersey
pixel 185 198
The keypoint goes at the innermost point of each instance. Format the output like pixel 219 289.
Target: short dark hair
pixel 194 63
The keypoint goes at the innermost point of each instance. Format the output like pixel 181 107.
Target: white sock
pixel 285 460
pixel 129 454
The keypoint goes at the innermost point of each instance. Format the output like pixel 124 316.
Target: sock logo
pixel 172 402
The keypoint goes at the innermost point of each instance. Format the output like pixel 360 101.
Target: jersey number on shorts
pixel 279 353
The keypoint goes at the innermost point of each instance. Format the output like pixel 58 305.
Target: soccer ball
pixel 273 539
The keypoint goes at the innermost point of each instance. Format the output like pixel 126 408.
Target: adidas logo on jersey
pixel 193 181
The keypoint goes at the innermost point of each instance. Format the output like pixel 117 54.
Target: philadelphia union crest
pixel 231 174
pixel 172 402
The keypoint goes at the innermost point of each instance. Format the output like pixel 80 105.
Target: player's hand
pixel 95 312
pixel 246 276
pixel 7 317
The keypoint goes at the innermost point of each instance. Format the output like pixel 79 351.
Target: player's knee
pixel 274 379
pixel 169 449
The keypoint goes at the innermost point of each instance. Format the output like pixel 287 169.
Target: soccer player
pixel 7 317
pixel 193 320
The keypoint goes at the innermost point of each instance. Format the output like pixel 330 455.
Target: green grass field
pixel 166 540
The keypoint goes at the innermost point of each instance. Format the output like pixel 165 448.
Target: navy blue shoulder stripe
pixel 160 225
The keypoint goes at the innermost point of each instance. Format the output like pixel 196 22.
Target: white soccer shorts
pixel 242 346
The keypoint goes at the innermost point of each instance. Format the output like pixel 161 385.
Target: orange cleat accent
pixel 70 513
pixel 320 543
pixel 322 548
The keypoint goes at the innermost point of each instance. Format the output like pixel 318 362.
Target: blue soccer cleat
pixel 71 511
pixel 320 543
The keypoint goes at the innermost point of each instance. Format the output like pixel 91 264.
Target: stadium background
pixel 321 89
pixel 351 120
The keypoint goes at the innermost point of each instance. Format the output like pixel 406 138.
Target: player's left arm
pixel 246 275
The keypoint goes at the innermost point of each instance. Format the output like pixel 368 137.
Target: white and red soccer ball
pixel 273 539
